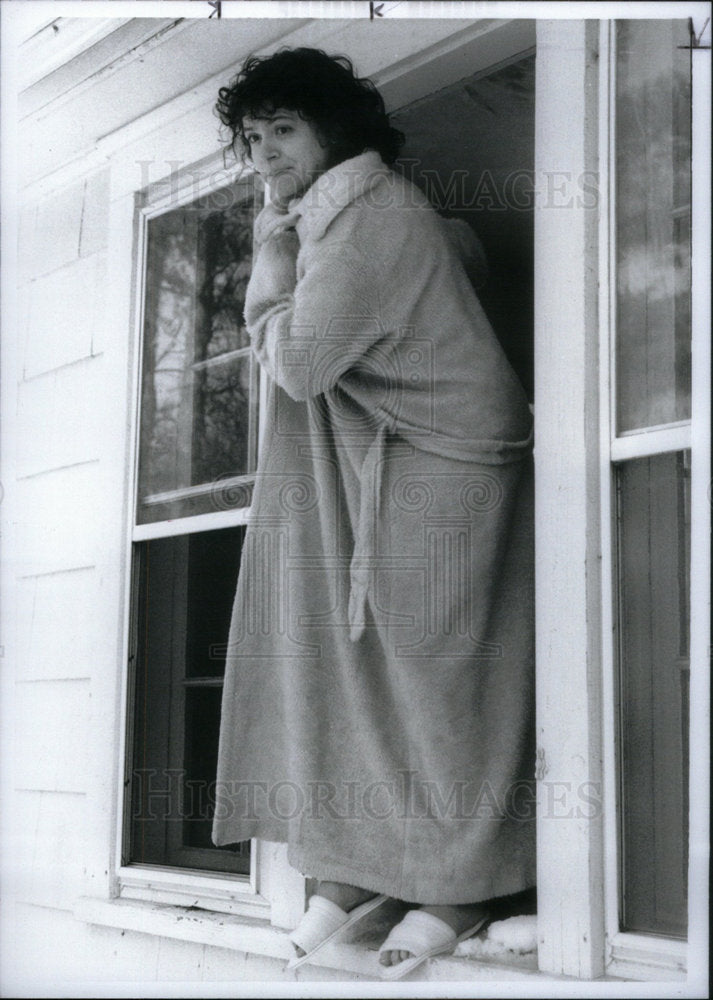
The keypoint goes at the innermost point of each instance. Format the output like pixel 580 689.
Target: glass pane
pixel 184 599
pixel 654 526
pixel 199 376
pixel 212 574
pixel 653 195
pixel 200 436
pixel 200 764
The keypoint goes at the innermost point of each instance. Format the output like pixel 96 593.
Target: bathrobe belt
pixel 362 570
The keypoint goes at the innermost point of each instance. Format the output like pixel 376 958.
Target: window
pixel 653 513
pixel 650 449
pixel 196 461
pixel 198 399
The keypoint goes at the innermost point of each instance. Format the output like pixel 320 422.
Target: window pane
pixel 201 762
pixel 653 195
pixel 184 600
pixel 199 377
pixel 212 573
pixel 654 526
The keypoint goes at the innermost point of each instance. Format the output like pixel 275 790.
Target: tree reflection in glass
pixel 653 208
pixel 198 386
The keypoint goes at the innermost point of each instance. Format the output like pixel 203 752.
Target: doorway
pixel 470 147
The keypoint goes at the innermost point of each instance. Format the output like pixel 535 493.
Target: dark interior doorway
pixel 470 147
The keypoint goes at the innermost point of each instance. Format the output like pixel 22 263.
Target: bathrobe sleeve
pixel 307 333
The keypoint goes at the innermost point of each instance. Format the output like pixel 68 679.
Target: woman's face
pixel 287 151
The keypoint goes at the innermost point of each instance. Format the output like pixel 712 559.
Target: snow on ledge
pixel 514 936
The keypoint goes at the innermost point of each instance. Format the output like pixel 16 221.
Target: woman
pixel 377 708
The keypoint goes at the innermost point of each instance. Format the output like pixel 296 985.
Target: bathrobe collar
pixel 334 190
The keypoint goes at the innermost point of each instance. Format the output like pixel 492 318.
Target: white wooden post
pixel 570 859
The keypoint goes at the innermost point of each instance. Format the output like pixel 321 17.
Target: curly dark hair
pixel 322 89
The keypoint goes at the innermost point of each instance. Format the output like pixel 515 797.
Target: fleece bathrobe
pixel 378 701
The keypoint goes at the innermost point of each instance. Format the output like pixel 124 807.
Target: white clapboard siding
pixel 69 950
pixel 58 221
pixel 59 418
pixel 58 526
pixel 65 315
pixel 50 736
pixel 59 638
pixel 26 228
pixel 49 861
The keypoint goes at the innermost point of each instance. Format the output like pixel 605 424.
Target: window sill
pixel 257 937
pixel 642 957
pixel 207 893
pixel 186 923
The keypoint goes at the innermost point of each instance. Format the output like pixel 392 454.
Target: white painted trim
pixel 477 41
pixel 643 957
pixel 220 929
pixel 157 34
pixel 200 490
pixel 155 203
pixel 607 157
pixel 193 181
pixel 191 492
pixel 607 317
pixel 183 880
pixel 249 906
pixel 651 441
pixel 482 46
pixel 137 263
pixel 39 57
pixel 161 884
pixel 220 891
pixel 257 937
pixel 256 858
pixel 630 955
pixel 189 525
pixel 127 282
pixel 221 359
pixel 701 500
pixel 182 191
pixel 567 535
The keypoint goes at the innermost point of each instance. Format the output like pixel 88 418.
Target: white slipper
pixel 424 936
pixel 323 922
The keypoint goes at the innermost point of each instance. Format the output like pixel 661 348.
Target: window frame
pixel 182 192
pixel 577 890
pixel 220 892
pixel 633 955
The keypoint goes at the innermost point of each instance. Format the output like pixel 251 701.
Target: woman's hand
pixel 272 220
